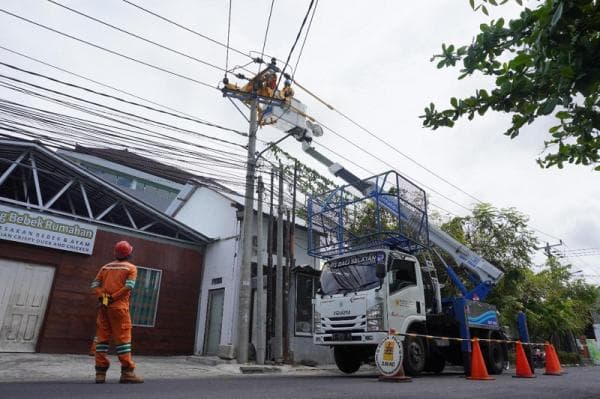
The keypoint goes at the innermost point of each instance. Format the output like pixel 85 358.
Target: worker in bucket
pixel 112 286
pixel 287 92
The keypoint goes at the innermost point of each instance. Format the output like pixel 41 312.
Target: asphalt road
pixel 578 384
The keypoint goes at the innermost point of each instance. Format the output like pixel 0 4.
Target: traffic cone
pixel 523 370
pixel 478 369
pixel 552 362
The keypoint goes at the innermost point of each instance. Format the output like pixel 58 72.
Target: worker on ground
pixel 112 286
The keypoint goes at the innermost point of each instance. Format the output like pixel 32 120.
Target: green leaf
pixel 563 115
pixel 554 129
pixel 522 59
pixel 454 102
pixel 567 71
pixel 548 106
pixel 485 11
pixel 441 64
pixel 472 3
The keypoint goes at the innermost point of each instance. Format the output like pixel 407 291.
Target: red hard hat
pixel 123 249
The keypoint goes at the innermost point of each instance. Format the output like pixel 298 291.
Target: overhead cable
pixel 109 50
pixel 139 36
pixel 56 80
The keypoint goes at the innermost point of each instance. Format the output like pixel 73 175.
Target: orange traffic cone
pixel 478 369
pixel 523 368
pixel 552 362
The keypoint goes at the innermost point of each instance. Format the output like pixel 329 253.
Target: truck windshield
pixel 351 273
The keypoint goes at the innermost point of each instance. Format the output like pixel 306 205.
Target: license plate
pixel 342 336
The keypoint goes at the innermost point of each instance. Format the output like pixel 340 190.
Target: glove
pixel 105 299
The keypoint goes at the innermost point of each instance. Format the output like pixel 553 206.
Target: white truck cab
pixel 362 296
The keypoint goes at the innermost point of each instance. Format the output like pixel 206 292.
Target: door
pixel 214 315
pixel 24 291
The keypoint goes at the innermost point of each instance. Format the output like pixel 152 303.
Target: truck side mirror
pixel 380 271
pixel 319 290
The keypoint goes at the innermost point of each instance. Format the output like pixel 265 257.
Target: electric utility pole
pixel 246 263
pixel 278 347
pixel 254 99
pixel 260 320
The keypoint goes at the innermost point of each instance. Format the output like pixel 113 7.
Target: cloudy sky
pixel 368 59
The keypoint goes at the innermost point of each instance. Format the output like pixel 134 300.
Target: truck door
pixel 405 299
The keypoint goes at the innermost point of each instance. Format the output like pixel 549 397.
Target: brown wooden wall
pixel 70 316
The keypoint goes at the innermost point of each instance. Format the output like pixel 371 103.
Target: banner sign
pixel 26 226
pixel 593 350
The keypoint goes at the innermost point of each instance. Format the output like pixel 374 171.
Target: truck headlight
pixel 318 327
pixel 375 317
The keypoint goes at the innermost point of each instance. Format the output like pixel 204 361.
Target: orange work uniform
pixel 117 279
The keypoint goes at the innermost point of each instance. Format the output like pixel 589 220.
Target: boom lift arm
pixel 289 115
pixel 485 275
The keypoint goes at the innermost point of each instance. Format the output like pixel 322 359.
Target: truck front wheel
pixel 414 355
pixel 347 360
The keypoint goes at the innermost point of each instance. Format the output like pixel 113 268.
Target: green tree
pixel 555 304
pixel 546 61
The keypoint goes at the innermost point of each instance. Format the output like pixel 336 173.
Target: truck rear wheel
pixel 346 360
pixel 494 356
pixel 414 355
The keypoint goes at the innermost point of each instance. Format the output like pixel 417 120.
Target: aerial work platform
pixel 385 210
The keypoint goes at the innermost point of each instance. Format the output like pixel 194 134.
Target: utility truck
pixel 378 275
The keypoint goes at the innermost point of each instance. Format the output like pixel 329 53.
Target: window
pixel 304 309
pixel 144 298
pixel 124 181
pixel 402 274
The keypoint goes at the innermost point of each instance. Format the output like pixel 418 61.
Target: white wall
pixel 210 213
pixel 213 214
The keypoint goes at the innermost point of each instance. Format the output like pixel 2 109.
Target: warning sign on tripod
pixel 388 358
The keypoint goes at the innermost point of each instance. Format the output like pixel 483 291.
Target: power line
pixel 116 110
pixel 109 50
pixel 310 6
pixel 62 82
pixel 262 51
pixel 185 28
pixel 191 117
pixel 228 33
pixel 305 37
pixel 139 37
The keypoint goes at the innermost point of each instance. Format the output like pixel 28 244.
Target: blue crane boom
pixel 484 274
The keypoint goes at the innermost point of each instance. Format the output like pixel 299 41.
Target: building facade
pixel 58 226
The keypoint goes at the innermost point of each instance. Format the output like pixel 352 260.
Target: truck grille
pixel 344 323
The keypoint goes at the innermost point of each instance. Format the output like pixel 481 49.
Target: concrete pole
pixel 270 274
pixel 286 292
pixel 260 319
pixel 244 288
pixel 278 350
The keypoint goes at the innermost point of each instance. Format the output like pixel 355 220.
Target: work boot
pixel 100 377
pixel 129 377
